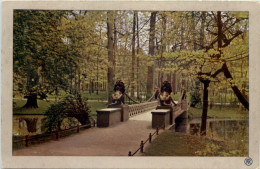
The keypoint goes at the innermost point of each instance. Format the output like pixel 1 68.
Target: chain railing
pixel 141 148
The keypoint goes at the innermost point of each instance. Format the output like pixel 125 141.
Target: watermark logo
pixel 248 161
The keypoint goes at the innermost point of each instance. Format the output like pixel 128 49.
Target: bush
pixel 195 94
pixel 69 108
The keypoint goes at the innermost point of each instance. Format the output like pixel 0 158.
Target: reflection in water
pixel 182 125
pixel 35 124
pixel 28 124
pixel 224 129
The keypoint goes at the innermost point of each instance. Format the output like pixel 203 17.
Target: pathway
pixel 116 140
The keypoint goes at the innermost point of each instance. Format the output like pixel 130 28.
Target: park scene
pixel 130 83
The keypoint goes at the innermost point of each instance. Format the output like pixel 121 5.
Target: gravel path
pixel 116 140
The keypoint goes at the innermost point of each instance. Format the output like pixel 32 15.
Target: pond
pixel 33 122
pixel 222 129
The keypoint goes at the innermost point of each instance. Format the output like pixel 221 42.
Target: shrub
pixel 69 108
pixel 195 94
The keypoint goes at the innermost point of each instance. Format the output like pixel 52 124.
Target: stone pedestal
pixel 160 118
pixel 107 117
pixel 182 125
pixel 124 111
pixel 171 112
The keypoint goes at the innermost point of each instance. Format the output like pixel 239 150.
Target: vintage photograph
pixel 130 83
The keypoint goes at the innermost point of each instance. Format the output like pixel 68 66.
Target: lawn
pixel 102 95
pixel 170 143
pixel 43 106
pixel 225 112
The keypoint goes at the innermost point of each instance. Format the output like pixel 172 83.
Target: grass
pixel 102 95
pixel 170 143
pixel 95 106
pixel 225 112
pixel 43 106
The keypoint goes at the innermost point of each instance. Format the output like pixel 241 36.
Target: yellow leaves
pixel 150 63
pixel 240 14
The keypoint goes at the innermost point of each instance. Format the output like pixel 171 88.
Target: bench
pixel 160 118
pixel 108 116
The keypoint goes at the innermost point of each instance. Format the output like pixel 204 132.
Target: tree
pixel 149 84
pixel 222 41
pixel 133 55
pixel 110 54
pixel 38 47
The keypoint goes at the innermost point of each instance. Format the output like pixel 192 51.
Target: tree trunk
pixel 174 83
pixel 133 56
pixel 79 81
pixel 169 75
pixel 205 107
pixel 203 19
pixel 149 84
pixel 137 64
pixel 31 101
pixel 194 32
pixel 220 33
pixel 31 124
pixel 237 92
pixel 111 60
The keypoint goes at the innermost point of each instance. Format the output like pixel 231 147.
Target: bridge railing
pixel 135 109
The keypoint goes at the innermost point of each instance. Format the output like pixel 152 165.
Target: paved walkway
pixel 116 140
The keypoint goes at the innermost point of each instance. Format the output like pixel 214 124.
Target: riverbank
pixel 171 143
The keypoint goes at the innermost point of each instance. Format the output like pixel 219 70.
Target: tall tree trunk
pixel 194 31
pixel 149 84
pixel 79 81
pixel 133 56
pixel 203 19
pixel 235 89
pixel 169 77
pixel 205 107
pixel 137 64
pixel 220 34
pixel 75 83
pixel 205 84
pixel 174 83
pixel 111 60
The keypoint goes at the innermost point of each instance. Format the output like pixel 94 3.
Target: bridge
pixel 117 139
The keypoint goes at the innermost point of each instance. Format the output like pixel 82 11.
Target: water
pixel 28 125
pixel 35 124
pixel 223 129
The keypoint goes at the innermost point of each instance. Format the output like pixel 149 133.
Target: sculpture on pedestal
pixel 165 95
pixel 118 96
